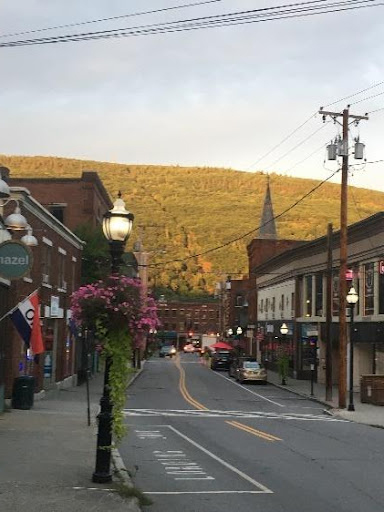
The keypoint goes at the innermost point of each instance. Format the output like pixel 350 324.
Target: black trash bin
pixel 23 392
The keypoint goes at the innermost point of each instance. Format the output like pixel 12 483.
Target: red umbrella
pixel 221 344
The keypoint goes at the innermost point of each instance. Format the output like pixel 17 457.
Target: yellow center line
pixel 197 405
pixel 259 433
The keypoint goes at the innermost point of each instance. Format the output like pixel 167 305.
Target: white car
pixel 189 348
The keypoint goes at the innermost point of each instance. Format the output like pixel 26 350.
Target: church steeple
pixel 267 222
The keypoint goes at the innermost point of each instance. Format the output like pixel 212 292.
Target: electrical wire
pixel 354 94
pixel 244 235
pixel 298 145
pixel 111 18
pixel 303 9
pixel 374 111
pixel 284 140
pixel 368 98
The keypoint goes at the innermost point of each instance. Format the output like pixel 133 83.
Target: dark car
pixel 167 351
pixel 221 360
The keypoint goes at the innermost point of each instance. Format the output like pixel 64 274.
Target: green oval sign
pixel 15 259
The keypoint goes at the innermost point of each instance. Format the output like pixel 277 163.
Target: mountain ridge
pixel 183 213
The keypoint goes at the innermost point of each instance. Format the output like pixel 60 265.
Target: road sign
pixel 15 259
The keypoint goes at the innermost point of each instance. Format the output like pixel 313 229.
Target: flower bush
pixel 119 314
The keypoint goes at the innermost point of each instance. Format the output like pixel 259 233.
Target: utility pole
pixel 328 318
pixel 342 149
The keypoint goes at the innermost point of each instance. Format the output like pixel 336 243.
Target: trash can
pixel 23 392
pixel 372 389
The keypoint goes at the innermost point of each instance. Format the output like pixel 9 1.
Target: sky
pixel 221 97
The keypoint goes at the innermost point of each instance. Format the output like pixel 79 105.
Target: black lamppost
pixel 117 226
pixel 352 299
pixel 283 332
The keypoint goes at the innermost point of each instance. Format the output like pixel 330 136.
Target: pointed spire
pixel 267 222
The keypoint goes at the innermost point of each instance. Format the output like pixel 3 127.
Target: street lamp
pixel 283 332
pixel 239 331
pixel 117 226
pixel 230 332
pixel 352 299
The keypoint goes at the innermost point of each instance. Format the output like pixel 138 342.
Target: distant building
pixel 181 320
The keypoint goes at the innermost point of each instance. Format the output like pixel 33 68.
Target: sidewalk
pixel 364 413
pixel 47 456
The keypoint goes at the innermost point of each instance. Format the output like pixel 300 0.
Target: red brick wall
pixel 20 288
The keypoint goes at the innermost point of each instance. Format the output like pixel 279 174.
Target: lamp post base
pixel 101 478
pixel 351 407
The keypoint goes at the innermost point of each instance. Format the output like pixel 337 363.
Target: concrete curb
pixel 117 460
pixel 304 395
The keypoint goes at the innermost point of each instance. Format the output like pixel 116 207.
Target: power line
pixel 180 260
pixel 298 145
pixel 288 11
pixel 368 98
pixel 284 140
pixel 355 94
pixel 111 18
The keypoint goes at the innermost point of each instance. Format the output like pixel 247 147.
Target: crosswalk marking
pixel 225 414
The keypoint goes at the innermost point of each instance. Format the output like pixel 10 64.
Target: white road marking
pixel 203 492
pixel 262 487
pixel 177 463
pixel 210 413
pixel 249 391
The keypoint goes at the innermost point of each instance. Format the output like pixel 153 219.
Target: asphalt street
pixel 199 441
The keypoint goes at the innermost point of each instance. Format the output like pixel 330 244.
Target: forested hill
pixel 184 211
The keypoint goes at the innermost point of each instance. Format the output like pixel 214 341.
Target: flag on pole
pixel 26 319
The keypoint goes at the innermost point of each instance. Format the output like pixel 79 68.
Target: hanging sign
pixel 15 259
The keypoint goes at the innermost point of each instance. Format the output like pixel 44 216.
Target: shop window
pixel 369 288
pixel 319 294
pixel 308 295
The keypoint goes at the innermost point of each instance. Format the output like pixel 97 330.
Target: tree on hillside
pixel 95 259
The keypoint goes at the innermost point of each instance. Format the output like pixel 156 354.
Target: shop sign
pixel 54 305
pixel 15 259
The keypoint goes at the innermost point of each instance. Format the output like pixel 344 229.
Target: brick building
pixel 54 207
pixel 185 319
pixel 56 273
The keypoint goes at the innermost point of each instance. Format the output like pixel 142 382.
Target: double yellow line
pixel 197 405
pixel 250 430
pixel 183 388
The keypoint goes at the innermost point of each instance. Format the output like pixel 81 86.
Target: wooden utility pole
pixel 343 151
pixel 328 319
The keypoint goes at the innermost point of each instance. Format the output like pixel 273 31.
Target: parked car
pixel 167 351
pixel 221 360
pixel 249 369
pixel 189 348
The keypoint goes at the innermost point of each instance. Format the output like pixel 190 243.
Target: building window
pixel 174 312
pixel 273 304
pixel 61 271
pixel 369 288
pixel 308 295
pixel 46 265
pixel 239 300
pixel 381 293
pixel 166 312
pixel 293 304
pixel 58 212
pixel 266 305
pixel 262 306
pixel 319 293
pixel 335 294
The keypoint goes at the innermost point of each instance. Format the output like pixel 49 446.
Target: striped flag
pixel 26 319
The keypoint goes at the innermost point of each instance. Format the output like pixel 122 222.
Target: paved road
pixel 201 442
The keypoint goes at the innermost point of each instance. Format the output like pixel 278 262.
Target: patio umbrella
pixel 222 345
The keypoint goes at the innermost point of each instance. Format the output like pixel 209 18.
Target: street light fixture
pixel 283 332
pixel 117 226
pixel 352 299
pixel 239 331
pixel 284 329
